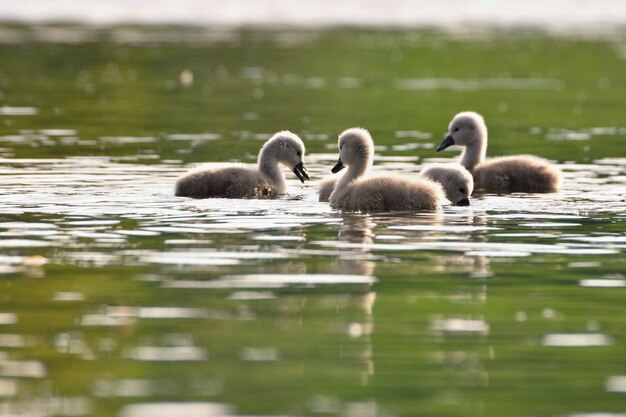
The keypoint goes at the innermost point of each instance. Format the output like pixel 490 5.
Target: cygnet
pixel 506 174
pixel 354 192
pixel 457 182
pixel 266 179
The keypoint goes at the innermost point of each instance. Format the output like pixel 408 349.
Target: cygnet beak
pixel 448 141
pixel 338 167
pixel 301 172
pixel 464 202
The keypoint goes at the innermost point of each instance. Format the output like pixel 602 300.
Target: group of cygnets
pixel 357 191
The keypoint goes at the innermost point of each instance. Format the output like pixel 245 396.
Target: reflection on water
pixel 274 281
pixel 17 111
pixel 219 272
pixel 176 409
pixel 460 325
pixel 493 83
pixel 167 353
pixel 603 283
pixel 616 384
pixel 576 340
pixel 120 299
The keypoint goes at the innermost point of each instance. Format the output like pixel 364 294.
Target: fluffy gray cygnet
pixel 457 182
pixel 266 179
pixel 506 174
pixel 356 192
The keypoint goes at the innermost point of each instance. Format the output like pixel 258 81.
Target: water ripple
pixel 576 339
pixel 480 84
pixel 176 409
pixel 167 353
pixel 274 281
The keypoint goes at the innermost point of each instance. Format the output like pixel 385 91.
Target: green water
pixel 119 299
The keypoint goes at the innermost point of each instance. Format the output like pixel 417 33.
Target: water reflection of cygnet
pixel 466 367
pixel 475 265
pixel 442 231
pixel 357 228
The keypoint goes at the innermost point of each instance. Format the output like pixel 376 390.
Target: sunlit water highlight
pixel 120 299
pixel 111 207
pixel 89 197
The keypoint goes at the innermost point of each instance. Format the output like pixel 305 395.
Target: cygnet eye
pixel 462 190
pixel 299 153
pixel 456 129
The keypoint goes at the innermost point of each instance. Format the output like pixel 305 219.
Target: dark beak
pixel 301 172
pixel 448 141
pixel 464 202
pixel 338 167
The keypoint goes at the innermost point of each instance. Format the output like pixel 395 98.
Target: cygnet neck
pixel 475 152
pixel 268 165
pixel 355 170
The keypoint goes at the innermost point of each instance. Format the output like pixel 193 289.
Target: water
pixel 120 299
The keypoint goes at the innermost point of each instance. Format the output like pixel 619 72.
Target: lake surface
pixel 119 299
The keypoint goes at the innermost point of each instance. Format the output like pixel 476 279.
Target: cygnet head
pixel 465 129
pixel 457 181
pixel 355 147
pixel 289 150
